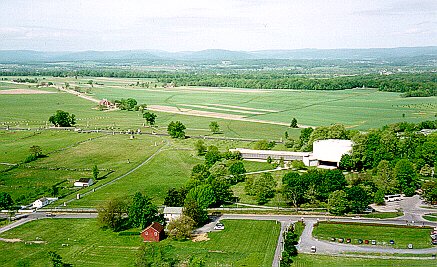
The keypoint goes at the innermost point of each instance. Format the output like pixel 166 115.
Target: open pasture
pixel 170 168
pixel 90 246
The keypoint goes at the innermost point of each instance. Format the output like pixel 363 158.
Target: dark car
pixel 434 242
pixel 392 242
pixel 360 241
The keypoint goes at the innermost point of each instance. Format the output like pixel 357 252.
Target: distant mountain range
pixel 18 56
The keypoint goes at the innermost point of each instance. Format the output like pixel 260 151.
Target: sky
pixel 192 25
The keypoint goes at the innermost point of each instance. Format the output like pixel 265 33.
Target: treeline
pixel 411 85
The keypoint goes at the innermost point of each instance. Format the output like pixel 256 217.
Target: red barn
pixel 153 233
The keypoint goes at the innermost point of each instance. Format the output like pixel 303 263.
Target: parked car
pixel 313 249
pixel 348 240
pixel 434 242
pixel 373 242
pixel 360 241
pixel 392 242
pixel 366 241
pixel 369 210
pixel 340 240
pixel 219 226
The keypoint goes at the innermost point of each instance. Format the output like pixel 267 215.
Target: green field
pixel 304 260
pixel 90 246
pixel 431 217
pixel 383 215
pixel 170 168
pixel 355 108
pixel 402 236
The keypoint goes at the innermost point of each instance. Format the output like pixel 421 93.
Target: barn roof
pixel 156 226
pixel 84 180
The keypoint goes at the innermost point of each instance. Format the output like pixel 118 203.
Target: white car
pixel 219 226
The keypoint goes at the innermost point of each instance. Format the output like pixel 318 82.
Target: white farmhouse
pixel 84 182
pixel 39 203
pixel 172 213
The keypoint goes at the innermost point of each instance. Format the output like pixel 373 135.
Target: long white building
pixel 325 153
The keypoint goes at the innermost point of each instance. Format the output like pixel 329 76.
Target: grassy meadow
pixel 90 246
pixel 310 260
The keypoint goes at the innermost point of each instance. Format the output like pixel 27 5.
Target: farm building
pixel 263 155
pixel 105 103
pixel 153 233
pixel 326 153
pixel 39 203
pixel 84 182
pixel 172 213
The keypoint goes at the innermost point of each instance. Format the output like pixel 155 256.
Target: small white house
pixel 172 213
pixel 37 204
pixel 84 182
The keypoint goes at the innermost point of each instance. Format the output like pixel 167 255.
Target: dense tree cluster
pixel 118 214
pixel 62 119
pixel 410 84
pixel 126 104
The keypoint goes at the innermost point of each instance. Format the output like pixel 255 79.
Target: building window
pixel 156 234
pixel 147 233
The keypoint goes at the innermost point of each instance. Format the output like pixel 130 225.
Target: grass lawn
pixel 383 215
pixel 242 243
pixel 87 244
pixel 431 217
pixel 305 260
pixel 170 168
pixel 15 145
pixel 402 236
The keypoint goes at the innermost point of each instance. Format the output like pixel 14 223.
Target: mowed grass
pixel 309 260
pixel 170 168
pixel 242 243
pixel 431 217
pixel 30 184
pixel 383 215
pixel 15 146
pixel 402 236
pixel 87 244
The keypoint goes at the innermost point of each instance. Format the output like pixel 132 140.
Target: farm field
pixel 354 108
pixel 304 260
pixel 170 168
pixel 402 236
pixel 90 246
pixel 25 110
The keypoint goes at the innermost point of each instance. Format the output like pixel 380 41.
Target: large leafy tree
pixel 142 212
pixel 193 210
pixel 203 195
pixel 6 201
pixel 237 170
pixel 358 199
pixel 150 117
pixel 214 127
pixel 112 214
pixel 338 202
pixel 63 119
pixel 176 129
pixel 175 197
pixel 212 156
pixel 294 188
pixel 264 187
pixel 405 174
pixel 181 228
pixel 384 179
